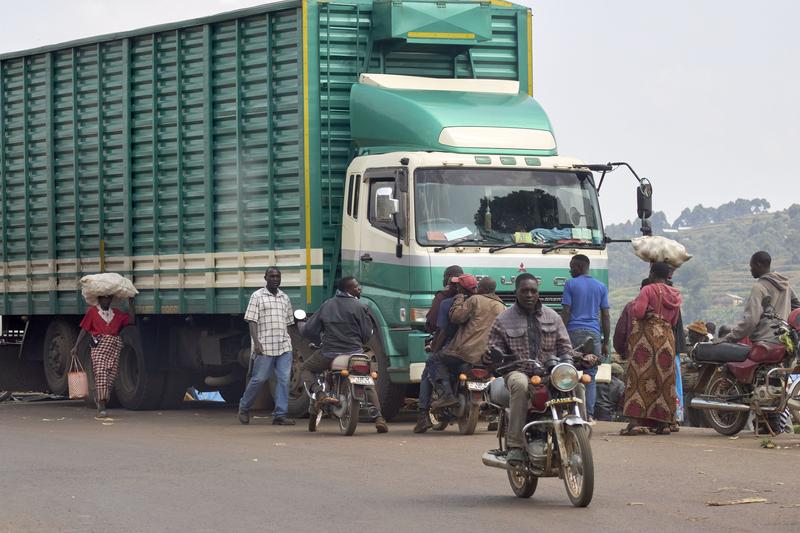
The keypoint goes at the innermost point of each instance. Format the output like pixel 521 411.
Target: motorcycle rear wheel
pixel 723 386
pixel 468 423
pixel 349 420
pixel 522 482
pixel 578 466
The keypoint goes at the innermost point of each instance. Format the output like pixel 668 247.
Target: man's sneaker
pixel 515 457
pixel 244 417
pixel 423 422
pixel 445 402
pixel 282 421
pixel 380 425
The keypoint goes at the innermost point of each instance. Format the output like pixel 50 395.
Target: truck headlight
pixel 564 377
pixel 419 314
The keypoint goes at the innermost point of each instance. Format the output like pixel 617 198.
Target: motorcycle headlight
pixel 564 377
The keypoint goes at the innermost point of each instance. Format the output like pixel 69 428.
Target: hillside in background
pixel 721 240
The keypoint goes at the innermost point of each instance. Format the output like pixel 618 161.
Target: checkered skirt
pixel 105 364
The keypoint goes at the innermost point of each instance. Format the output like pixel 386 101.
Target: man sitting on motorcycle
pixel 342 326
pixel 474 315
pixel 768 283
pixel 526 330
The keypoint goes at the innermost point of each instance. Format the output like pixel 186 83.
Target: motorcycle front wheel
pixel 723 387
pixel 578 466
pixel 349 419
pixel 522 482
pixel 314 418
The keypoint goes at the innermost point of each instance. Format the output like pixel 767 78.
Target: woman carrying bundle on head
pixel 104 323
pixel 650 395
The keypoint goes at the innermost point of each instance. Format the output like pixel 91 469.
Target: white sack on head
pixel 106 284
pixel 656 248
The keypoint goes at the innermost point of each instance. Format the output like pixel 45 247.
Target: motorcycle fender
pixel 476 397
pixel 573 420
pixel 358 392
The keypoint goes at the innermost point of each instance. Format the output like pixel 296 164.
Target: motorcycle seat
pixel 340 362
pixel 725 352
pixel 498 393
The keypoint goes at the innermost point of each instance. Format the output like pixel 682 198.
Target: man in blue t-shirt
pixel 586 308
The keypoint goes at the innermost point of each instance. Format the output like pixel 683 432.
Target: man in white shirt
pixel 268 315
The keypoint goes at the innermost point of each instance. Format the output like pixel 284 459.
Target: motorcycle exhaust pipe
pixel 494 461
pixel 698 403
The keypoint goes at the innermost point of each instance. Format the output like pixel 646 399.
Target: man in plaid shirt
pixel 526 330
pixel 268 315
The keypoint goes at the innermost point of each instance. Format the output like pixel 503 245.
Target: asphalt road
pixel 198 470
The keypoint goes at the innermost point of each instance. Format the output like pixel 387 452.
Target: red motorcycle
pixel 740 379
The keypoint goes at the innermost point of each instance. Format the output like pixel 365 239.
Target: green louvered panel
pixel 181 142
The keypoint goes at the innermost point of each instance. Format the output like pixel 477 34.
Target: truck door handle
pixel 366 258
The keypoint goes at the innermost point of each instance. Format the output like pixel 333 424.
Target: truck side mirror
pixel 644 199
pixel 385 205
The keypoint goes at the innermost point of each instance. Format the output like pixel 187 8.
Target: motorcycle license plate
pixel 361 380
pixel 477 385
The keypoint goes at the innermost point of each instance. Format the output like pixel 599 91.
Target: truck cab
pixel 457 172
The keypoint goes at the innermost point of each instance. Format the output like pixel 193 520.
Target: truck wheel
pixel 391 395
pixel 298 399
pixel 232 393
pixel 58 341
pixel 137 388
pixel 175 384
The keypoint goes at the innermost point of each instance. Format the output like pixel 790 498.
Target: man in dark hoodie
pixel 768 283
pixel 343 326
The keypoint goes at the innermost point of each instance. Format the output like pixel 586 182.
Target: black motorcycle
pixel 555 433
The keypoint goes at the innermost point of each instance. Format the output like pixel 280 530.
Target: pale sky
pixel 699 96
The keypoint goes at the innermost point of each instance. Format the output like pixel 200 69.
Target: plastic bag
pixel 658 248
pixel 106 284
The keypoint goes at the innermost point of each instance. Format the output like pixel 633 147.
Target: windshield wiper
pixel 458 242
pixel 514 245
pixel 568 244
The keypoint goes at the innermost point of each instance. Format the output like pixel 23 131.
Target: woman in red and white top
pixel 104 324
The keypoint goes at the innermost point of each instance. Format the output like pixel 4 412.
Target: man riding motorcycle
pixel 342 326
pixel 526 330
pixel 768 283
pixel 474 314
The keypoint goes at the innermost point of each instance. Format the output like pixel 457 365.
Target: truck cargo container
pixel 384 139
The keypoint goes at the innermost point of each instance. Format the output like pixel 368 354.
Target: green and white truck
pixel 383 139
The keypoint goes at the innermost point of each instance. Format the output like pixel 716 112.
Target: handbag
pixel 77 381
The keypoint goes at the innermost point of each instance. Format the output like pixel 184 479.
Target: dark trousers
pixel 446 366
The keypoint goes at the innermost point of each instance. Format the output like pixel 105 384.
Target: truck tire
pixel 298 399
pixel 391 395
pixel 175 384
pixel 137 387
pixel 58 341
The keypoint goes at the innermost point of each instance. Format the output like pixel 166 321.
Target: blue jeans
pixel 263 367
pixel 577 336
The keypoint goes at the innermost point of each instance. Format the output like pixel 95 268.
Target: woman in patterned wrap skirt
pixel 104 323
pixel 650 395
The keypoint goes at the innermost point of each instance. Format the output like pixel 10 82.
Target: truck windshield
pixel 505 206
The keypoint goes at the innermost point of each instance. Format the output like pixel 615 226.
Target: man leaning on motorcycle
pixel 526 330
pixel 343 326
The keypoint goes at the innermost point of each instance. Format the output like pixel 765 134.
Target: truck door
pixel 385 277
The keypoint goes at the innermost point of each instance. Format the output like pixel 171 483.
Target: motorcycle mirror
pixel 766 301
pixel 299 314
pixel 587 346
